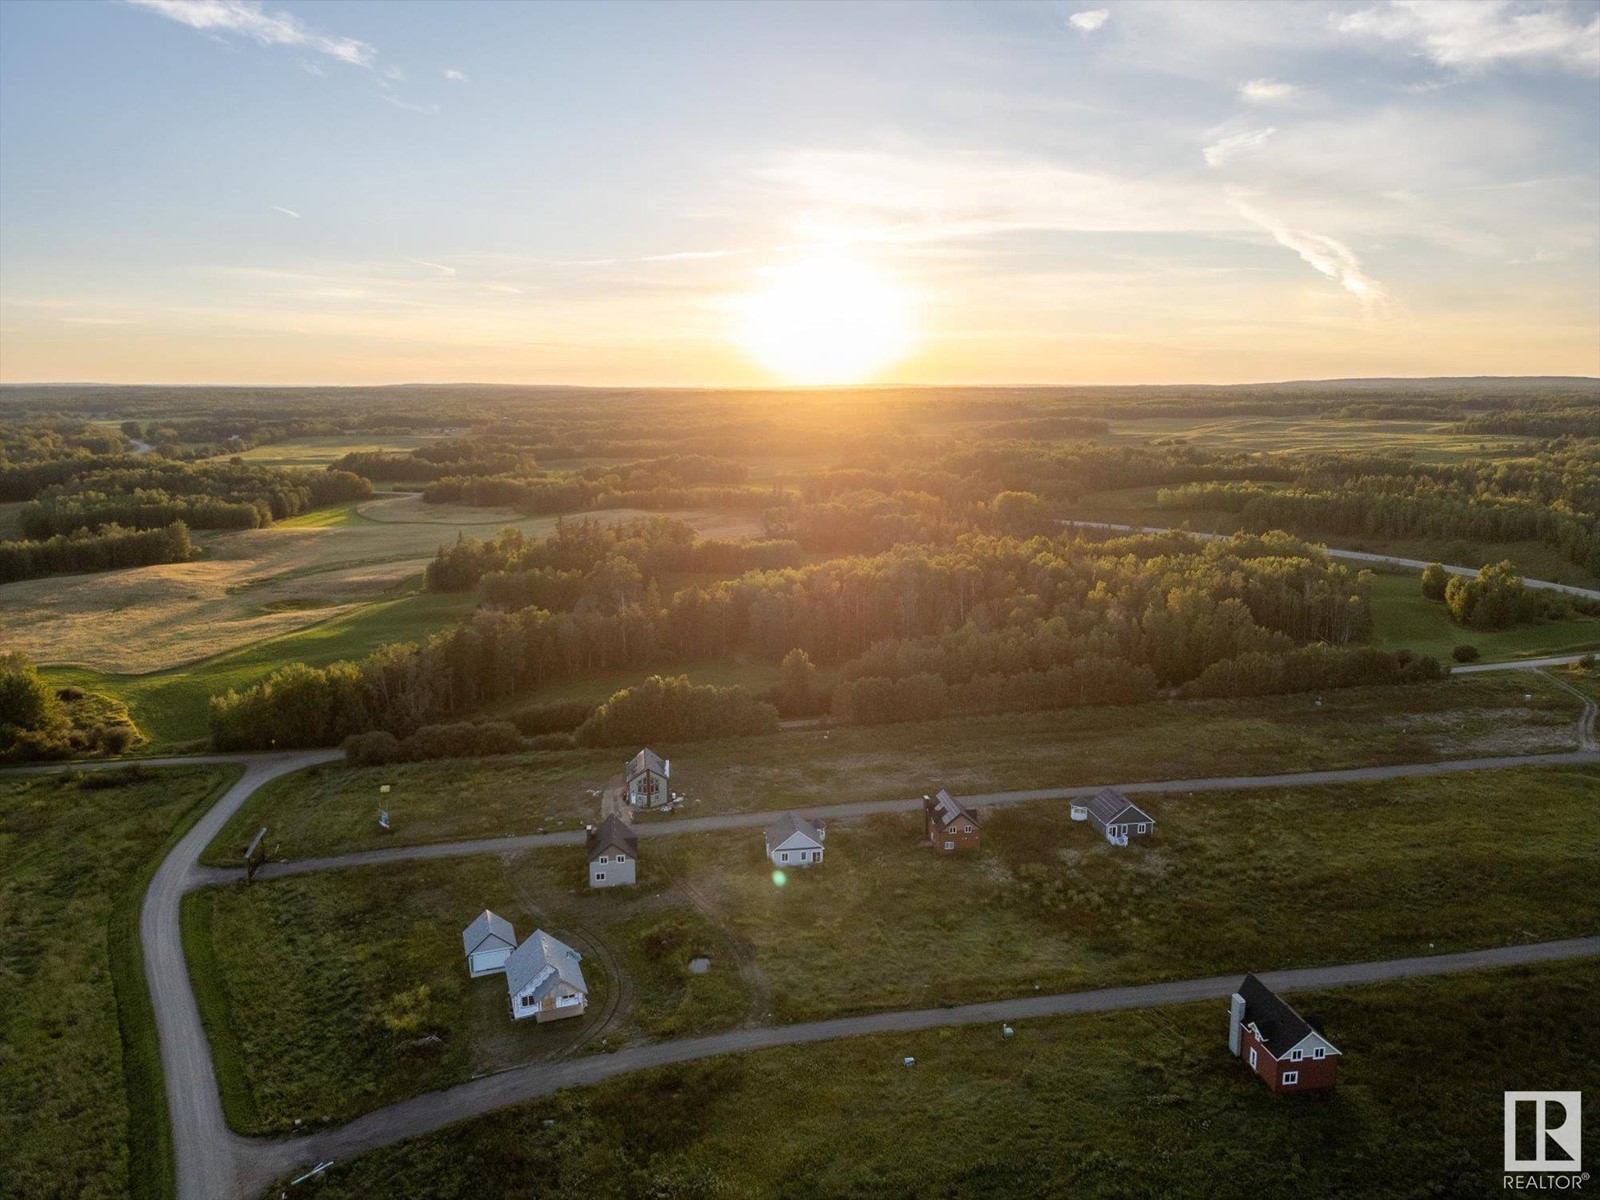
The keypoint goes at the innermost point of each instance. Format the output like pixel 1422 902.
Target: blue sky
pixel 222 191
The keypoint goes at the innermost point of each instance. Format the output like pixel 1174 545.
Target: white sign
pixel 1556 1119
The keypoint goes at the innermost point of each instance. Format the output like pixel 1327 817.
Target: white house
pixel 795 841
pixel 544 980
pixel 613 854
pixel 1119 818
pixel 488 942
pixel 647 777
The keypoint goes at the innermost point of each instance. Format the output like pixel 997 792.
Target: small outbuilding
pixel 951 825
pixel 795 841
pixel 545 981
pixel 1285 1049
pixel 613 854
pixel 1119 818
pixel 487 943
pixel 647 777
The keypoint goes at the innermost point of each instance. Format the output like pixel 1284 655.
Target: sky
pixel 220 191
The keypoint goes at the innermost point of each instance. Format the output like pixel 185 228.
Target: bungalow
pixel 1114 815
pixel 1281 1046
pixel 951 825
pixel 545 981
pixel 613 854
pixel 488 942
pixel 646 777
pixel 795 841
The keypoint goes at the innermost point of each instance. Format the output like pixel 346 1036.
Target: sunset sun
pixel 827 319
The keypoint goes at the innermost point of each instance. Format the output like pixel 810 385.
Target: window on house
pixel 622 858
pixel 784 856
pixel 1296 1055
pixel 599 876
pixel 1290 1078
pixel 816 856
pixel 527 1002
pixel 1141 828
pixel 966 829
pixel 949 845
pixel 1252 1058
pixel 1319 1052
pixel 603 859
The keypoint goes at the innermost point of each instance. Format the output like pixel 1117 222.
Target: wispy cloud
pixel 455 76
pixel 1224 148
pixel 1268 91
pixel 250 19
pixel 1089 19
pixel 1471 34
pixel 444 271
pixel 1326 255
pixel 288 212
pixel 408 105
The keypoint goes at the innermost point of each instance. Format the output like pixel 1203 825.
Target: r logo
pixel 1554 1121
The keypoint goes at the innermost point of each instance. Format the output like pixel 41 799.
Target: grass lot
pixel 302 982
pixel 82 1113
pixel 1404 617
pixel 255 584
pixel 1142 1103
pixel 320 451
pixel 330 809
pixel 1137 506
pixel 1279 878
pixel 307 966
pixel 170 706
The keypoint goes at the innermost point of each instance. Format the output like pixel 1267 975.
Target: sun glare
pixel 828 319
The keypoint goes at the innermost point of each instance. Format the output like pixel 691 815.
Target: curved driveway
pixel 214 1163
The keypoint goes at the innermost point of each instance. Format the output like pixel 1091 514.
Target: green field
pixel 1403 617
pixel 171 706
pixel 331 809
pixel 1145 1103
pixel 1430 441
pixel 1535 560
pixel 320 451
pixel 1275 879
pixel 82 1113
pixel 309 987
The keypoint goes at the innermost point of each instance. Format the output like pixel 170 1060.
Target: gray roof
pixel 647 760
pixel 1111 807
pixel 612 834
pixel 1281 1028
pixel 946 808
pixel 542 960
pixel 487 925
pixel 786 826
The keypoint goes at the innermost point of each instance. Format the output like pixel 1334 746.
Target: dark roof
pixel 946 808
pixel 612 833
pixel 1111 807
pixel 647 760
pixel 1280 1027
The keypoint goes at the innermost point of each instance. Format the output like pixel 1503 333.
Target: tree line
pixel 107 548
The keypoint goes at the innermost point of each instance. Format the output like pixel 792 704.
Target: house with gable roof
pixel 951 825
pixel 1288 1051
pixel 613 854
pixel 544 979
pixel 794 841
pixel 487 943
pixel 647 776
pixel 1119 818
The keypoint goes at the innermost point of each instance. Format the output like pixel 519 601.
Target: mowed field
pixel 309 966
pixel 255 584
pixel 331 809
pixel 1143 1103
pixel 1405 618
pixel 1432 441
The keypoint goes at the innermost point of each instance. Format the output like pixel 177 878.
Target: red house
pixel 951 825
pixel 1280 1045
